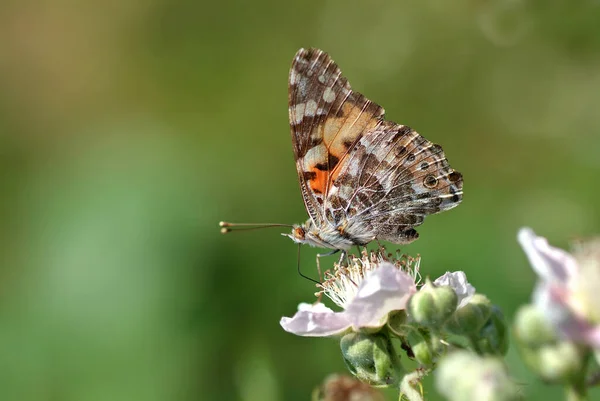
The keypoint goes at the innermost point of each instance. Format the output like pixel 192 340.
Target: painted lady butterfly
pixel 362 178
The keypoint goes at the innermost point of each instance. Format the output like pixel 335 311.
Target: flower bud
pixel 371 358
pixel 344 388
pixel 463 375
pixel 432 305
pixel 551 359
pixel 493 337
pixel 471 318
pixel 532 329
pixel 425 347
pixel 561 363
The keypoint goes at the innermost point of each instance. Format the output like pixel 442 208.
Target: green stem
pixel 577 389
pixel 576 393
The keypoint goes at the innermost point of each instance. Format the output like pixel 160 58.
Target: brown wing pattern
pixel 326 118
pixel 392 180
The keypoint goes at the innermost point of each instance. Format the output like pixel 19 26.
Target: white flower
pixel 367 291
pixel 458 282
pixel 568 289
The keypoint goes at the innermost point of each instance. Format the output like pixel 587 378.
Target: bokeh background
pixel 129 128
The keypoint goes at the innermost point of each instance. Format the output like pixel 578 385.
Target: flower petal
pixel 315 321
pixel 553 302
pixel 550 263
pixel 458 282
pixel 384 290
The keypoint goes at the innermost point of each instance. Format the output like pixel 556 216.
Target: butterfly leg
pixel 319 256
pixel 302 274
pixel 346 256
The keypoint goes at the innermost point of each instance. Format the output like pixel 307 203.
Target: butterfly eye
pixel 430 182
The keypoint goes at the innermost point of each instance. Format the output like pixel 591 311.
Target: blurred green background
pixel 129 128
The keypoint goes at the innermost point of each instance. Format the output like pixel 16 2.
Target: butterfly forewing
pixel 326 119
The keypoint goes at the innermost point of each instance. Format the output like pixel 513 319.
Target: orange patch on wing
pixel 321 180
pixel 318 182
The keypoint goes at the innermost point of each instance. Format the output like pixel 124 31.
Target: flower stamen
pixel 342 284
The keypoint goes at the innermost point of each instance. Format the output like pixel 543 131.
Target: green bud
pixel 344 388
pixel 493 337
pixel 560 363
pixel 470 319
pixel 371 358
pixel 425 347
pixel 465 376
pixel 431 306
pixel 531 328
pixel 552 360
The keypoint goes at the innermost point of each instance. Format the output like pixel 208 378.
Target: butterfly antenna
pixel 227 227
pixel 303 275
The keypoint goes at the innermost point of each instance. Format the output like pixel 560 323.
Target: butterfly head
pixel 299 233
pixel 306 233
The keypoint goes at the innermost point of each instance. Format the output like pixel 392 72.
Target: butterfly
pixel 362 177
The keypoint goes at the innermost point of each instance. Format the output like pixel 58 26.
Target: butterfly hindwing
pixel 392 180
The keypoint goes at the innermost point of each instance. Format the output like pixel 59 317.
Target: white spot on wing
pixel 294 77
pixel 328 95
pixel 311 108
pixel 315 155
pixel 322 79
pixel 353 167
pixel 298 112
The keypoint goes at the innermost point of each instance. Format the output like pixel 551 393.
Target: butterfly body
pixel 362 177
pixel 334 236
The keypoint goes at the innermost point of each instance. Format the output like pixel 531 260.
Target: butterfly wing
pixel 327 119
pixel 392 179
pixel 366 177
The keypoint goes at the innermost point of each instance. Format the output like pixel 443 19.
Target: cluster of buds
pixel 387 312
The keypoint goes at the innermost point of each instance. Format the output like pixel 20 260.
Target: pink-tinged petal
pixel 591 336
pixel 384 290
pixel 315 321
pixel 458 282
pixel 582 331
pixel 553 300
pixel 550 263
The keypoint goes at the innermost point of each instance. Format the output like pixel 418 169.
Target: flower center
pixel 342 284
